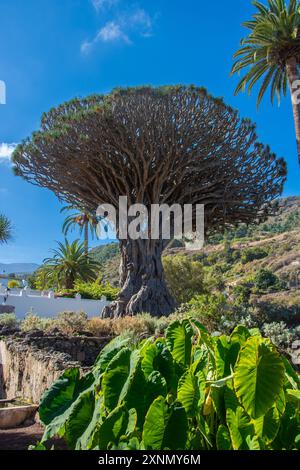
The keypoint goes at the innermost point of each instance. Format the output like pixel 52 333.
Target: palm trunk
pixel 86 237
pixel 142 279
pixel 294 82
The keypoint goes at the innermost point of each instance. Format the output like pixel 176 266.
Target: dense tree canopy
pixel 153 145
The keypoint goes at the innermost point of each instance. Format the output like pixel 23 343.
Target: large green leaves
pixel 63 392
pixel 115 377
pixel 179 340
pixel 258 376
pixel 165 427
pixel 191 392
pixel 188 391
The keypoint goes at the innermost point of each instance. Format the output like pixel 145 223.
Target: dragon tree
pixel 162 145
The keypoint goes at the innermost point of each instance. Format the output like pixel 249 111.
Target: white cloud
pixel 101 4
pixel 140 18
pixel 112 32
pixel 138 22
pixel 6 151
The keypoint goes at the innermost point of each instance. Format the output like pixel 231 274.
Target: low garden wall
pixel 29 363
pixel 47 305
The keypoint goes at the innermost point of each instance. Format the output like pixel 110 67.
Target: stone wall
pixel 30 363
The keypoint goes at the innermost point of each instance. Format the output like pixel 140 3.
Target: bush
pixel 96 290
pixel 13 284
pixel 252 254
pixel 70 322
pixel 34 322
pixel 209 308
pixel 280 334
pixel 9 320
pixel 265 280
pixel 184 277
pixel 187 390
pixel 242 294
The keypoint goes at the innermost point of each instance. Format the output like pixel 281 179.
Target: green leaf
pixel 240 427
pixel 165 427
pixel 80 418
pixel 240 334
pixel 226 354
pixel 112 428
pixel 115 377
pixel 223 438
pixel 63 392
pixel 109 351
pixel 267 426
pixel 179 340
pixel 191 392
pixel 258 377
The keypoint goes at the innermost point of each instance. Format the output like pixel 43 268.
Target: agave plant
pixel 187 390
pixel 5 229
pixel 271 54
pixel 70 263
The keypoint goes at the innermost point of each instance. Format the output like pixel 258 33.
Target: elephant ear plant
pixel 187 390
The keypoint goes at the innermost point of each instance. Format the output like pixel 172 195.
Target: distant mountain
pixel 18 268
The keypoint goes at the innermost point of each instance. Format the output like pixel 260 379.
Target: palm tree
pixel 86 222
pixel 5 229
pixel 70 263
pixel 271 53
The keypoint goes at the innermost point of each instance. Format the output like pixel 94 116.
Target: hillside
pixel 18 268
pixel 275 242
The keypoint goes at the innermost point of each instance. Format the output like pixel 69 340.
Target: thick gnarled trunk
pixel 142 280
pixel 294 83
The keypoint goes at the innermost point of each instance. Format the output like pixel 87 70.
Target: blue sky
pixel 52 50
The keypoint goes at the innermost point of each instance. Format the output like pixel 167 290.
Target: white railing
pixel 45 304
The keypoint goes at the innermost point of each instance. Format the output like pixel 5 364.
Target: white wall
pixel 26 300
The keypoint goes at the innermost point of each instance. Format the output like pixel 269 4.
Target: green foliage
pixel 208 306
pixel 185 277
pixel 70 263
pixel 265 53
pixel 186 390
pixel 252 254
pixel 265 280
pixel 5 229
pixel 9 320
pixel 13 283
pixel 242 293
pixel 105 252
pixel 96 290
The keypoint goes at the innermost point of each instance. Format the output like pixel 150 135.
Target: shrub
pixel 96 290
pixel 209 308
pixel 280 334
pixel 9 320
pixel 265 280
pixel 252 254
pixel 242 293
pixel 70 322
pixel 187 390
pixel 34 322
pixel 184 277
pixel 13 284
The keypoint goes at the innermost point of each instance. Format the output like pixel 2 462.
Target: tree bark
pixel 86 237
pixel 142 280
pixel 293 77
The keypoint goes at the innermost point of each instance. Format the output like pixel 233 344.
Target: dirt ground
pixel 22 437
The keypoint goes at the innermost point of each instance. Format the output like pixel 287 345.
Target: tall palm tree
pixel 271 53
pixel 86 222
pixel 70 263
pixel 5 229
